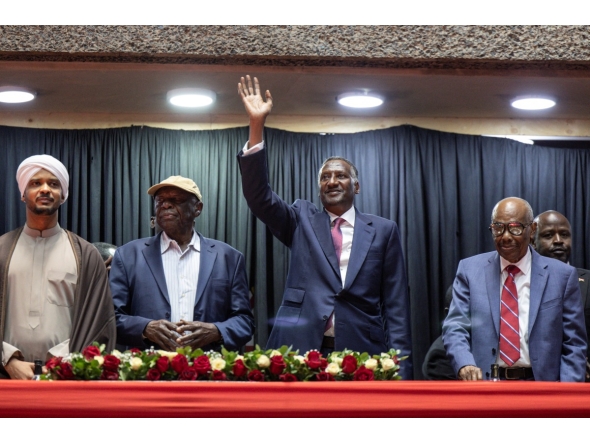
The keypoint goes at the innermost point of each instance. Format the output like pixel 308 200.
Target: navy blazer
pixel 372 309
pixel 140 294
pixel 557 334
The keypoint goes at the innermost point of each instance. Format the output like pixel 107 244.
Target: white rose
pixel 217 364
pixel 299 358
pixel 169 355
pixel 135 363
pixel 117 354
pixel 337 360
pixel 333 368
pixel 385 355
pixel 239 357
pixel 263 361
pixel 387 364
pixel 100 360
pixel 371 364
pixel 275 353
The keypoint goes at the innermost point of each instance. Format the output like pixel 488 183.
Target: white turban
pixel 31 165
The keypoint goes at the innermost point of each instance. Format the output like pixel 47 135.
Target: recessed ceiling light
pixel 191 97
pixel 532 103
pixel 360 99
pixel 16 94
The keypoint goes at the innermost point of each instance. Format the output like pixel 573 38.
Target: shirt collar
pixel 349 216
pixel 166 242
pixel 45 233
pixel 524 264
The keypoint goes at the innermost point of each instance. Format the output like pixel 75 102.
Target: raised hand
pixel 256 107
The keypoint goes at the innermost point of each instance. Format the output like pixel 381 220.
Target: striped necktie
pixel 509 330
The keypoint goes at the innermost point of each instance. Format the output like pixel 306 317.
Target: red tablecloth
pixel 313 399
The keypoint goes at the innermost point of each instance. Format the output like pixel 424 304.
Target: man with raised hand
pixel 346 286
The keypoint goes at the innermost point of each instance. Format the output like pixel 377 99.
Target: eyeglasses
pixel 514 228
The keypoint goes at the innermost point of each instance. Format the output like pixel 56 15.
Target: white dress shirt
pixel 181 269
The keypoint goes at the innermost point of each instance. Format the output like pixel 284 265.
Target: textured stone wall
pixel 563 47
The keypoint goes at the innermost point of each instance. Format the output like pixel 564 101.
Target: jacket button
pixel 325 318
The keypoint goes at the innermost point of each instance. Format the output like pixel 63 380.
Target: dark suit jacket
pixel 140 294
pixel 437 366
pixel 372 311
pixel 557 335
pixel 584 281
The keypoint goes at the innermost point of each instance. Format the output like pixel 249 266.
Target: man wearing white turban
pixel 54 292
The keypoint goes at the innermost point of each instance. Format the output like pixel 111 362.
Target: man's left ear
pixel 357 188
pixel 199 209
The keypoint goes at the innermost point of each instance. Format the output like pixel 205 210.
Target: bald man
pixel 553 239
pixel 54 292
pixel 515 308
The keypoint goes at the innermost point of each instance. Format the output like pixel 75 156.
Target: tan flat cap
pixel 179 182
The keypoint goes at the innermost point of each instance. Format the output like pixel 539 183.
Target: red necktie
pixel 337 239
pixel 509 330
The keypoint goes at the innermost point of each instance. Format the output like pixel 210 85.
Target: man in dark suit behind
pixel 515 308
pixel 357 299
pixel 180 288
pixel 553 238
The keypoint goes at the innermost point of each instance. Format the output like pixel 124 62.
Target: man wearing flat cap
pixel 54 292
pixel 180 288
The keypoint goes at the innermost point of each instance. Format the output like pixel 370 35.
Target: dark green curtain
pixel 439 187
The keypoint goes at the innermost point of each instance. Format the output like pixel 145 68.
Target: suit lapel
pixel 206 262
pixel 153 258
pixel 364 233
pixel 538 282
pixel 583 282
pixel 320 223
pixel 492 274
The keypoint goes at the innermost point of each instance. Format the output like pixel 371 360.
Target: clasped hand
pixel 169 335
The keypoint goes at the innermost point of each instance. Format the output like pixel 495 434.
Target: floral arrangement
pixel 190 365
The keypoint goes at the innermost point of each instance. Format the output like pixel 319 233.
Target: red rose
pixel 162 364
pixel 188 374
pixel 108 375
pixel 363 374
pixel 239 369
pixel 313 359
pixel 218 375
pixel 135 351
pixel 395 360
pixel 111 363
pixel 255 375
pixel 349 364
pixel 65 371
pixel 53 362
pixel 153 374
pixel 277 365
pixel 323 376
pixel 323 363
pixel 202 365
pixel 90 352
pixel 288 377
pixel 179 363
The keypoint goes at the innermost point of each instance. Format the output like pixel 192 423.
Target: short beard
pixel 44 211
